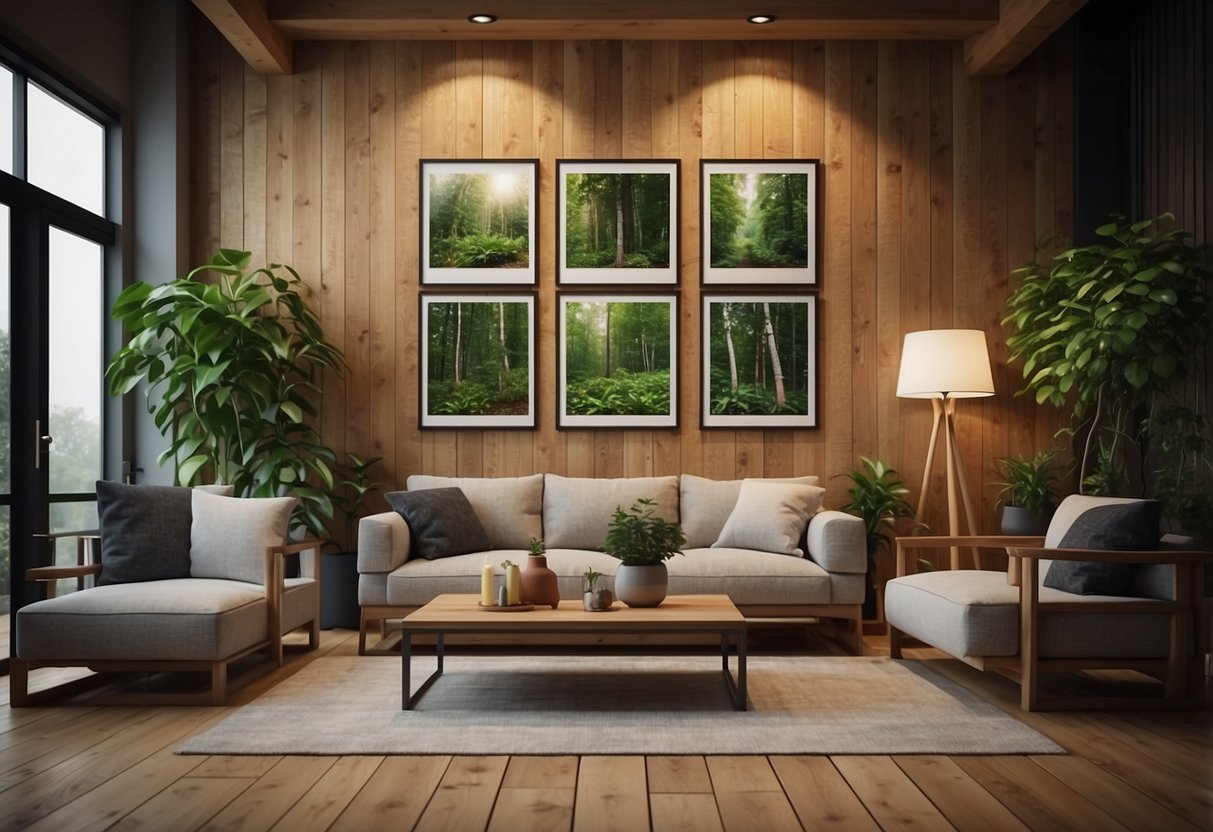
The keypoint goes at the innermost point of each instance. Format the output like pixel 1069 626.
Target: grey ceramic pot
pixel 642 586
pixel 1021 521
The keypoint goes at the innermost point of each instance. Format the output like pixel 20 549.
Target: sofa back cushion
pixel 706 505
pixel 770 517
pixel 509 508
pixel 1082 522
pixel 578 510
pixel 229 535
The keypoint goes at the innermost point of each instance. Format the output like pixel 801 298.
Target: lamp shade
pixel 945 364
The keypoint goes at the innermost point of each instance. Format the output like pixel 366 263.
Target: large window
pixel 55 258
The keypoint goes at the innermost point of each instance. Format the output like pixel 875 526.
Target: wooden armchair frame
pixel 221 681
pixel 1181 672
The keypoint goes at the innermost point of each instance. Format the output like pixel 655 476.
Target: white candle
pixel 486 583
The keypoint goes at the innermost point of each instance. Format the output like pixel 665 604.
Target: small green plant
pixel 1029 481
pixel 350 493
pixel 537 546
pixel 640 538
pixel 591 578
pixel 877 496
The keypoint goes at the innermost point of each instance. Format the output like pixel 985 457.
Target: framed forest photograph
pixel 478 222
pixel 617 222
pixel 477 361
pixel 617 364
pixel 759 361
pixel 759 221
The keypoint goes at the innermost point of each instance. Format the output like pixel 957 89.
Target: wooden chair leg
pixel 18 683
pixel 219 683
pixel 894 642
pixel 857 629
pixel 313 634
pixel 362 625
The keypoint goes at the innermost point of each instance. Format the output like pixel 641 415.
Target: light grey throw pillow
pixel 229 535
pixel 770 517
pixel 706 504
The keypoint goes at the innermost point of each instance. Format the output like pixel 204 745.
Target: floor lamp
pixel 944 365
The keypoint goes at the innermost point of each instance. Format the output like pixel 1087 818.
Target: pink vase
pixel 539 583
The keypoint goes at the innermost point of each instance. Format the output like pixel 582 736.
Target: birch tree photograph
pixel 478 364
pixel 759 361
pixel 617 222
pixel 759 221
pixel 618 361
pixel 478 222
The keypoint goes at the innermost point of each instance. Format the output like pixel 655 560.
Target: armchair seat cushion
pixel 186 619
pixel 975 613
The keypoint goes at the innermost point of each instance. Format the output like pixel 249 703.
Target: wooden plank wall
pixel 935 185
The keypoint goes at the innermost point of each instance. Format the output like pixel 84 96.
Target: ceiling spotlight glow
pixel 760 19
pixel 483 19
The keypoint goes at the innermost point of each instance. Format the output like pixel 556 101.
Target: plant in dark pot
pixel 878 497
pixel 1028 494
pixel 643 542
pixel 232 366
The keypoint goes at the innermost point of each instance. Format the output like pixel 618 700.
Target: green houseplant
pixel 232 366
pixel 1118 331
pixel 350 494
pixel 1028 494
pixel 878 497
pixel 643 542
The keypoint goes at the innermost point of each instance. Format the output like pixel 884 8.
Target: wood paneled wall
pixel 935 186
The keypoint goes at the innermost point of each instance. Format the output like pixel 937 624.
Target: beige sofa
pixel 572 514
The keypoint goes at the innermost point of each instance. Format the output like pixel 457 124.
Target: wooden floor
pixel 89 768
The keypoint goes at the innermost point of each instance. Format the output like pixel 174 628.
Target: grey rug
pixel 620 705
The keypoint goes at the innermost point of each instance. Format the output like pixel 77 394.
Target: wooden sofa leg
pixel 362 625
pixel 219 683
pixel 894 642
pixel 313 634
pixel 18 683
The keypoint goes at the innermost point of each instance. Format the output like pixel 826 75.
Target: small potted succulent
pixel 643 542
pixel 1028 495
pixel 596 598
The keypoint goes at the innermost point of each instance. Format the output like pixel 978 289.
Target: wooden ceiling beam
pixel 248 28
pixel 633 19
pixel 1022 26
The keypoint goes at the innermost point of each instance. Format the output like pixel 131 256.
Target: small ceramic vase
pixel 539 583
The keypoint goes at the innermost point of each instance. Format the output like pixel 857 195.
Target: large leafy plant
pixel 1118 330
pixel 232 366
pixel 638 537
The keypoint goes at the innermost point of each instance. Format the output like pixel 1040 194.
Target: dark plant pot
pixel 1021 521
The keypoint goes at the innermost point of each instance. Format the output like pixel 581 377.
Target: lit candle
pixel 486 584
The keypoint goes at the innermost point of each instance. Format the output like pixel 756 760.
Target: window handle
pixel 41 441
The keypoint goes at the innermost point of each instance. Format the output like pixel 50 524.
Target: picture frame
pixel 478 221
pixel 741 390
pixel 617 360
pixel 477 360
pixel 760 221
pixel 595 200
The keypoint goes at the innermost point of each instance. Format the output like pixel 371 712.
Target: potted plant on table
pixel 1028 495
pixel 643 542
pixel 876 496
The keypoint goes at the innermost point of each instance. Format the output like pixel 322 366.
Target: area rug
pixel 620 705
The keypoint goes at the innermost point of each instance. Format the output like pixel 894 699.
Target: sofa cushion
pixel 976 613
pixel 770 517
pixel 749 577
pixel 145 531
pixel 441 522
pixel 229 535
pixel 1099 523
pixel 509 508
pixel 705 505
pixel 578 510
pixel 182 619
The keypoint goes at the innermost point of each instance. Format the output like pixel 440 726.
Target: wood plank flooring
pixel 93 768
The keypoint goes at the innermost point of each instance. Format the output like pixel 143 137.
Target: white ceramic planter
pixel 642 586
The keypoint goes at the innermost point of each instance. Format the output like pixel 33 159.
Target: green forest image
pixel 759 358
pixel 479 220
pixel 617 220
pixel 759 220
pixel 478 358
pixel 617 358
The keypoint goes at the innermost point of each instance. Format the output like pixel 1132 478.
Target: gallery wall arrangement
pixel 932 186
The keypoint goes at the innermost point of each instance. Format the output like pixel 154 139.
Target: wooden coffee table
pixel 713 614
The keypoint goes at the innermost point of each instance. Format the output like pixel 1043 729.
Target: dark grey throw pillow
pixel 145 532
pixel 1112 526
pixel 441 521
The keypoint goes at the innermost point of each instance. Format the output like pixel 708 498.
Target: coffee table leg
pixel 741 650
pixel 406 662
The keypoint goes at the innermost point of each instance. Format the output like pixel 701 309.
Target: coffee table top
pixel 685 612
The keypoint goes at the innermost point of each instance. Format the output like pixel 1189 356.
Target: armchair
pixel 231 601
pixel 1013 624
